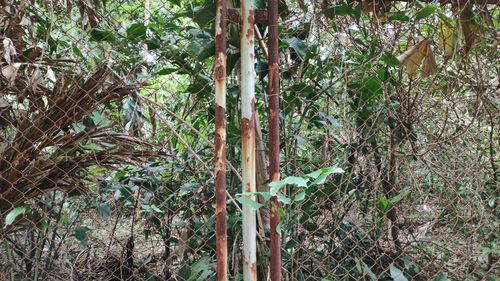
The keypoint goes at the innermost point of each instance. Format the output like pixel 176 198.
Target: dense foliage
pixel 389 134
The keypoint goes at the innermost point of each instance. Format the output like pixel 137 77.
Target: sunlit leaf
pixel 319 176
pixel 426 12
pixel 249 202
pixel 275 186
pixel 448 38
pixel 398 16
pixel 12 215
pixel 396 273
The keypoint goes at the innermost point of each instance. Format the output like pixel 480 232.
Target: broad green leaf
pixel 153 44
pixel 443 276
pixel 299 46
pixel 319 176
pixel 390 59
pixel 265 195
pixel 275 186
pixel 12 215
pixel 372 88
pixel 188 188
pixel 103 210
pixel 165 71
pixel 339 10
pixel 300 197
pixel 81 234
pixel 398 16
pixel 205 14
pixel 136 31
pixel 98 34
pixel 367 270
pixel 283 199
pixel 383 203
pixel 247 201
pixel 396 273
pixel 425 12
pixel 200 265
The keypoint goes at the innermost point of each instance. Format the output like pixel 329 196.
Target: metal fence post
pixel 247 83
pixel 274 135
pixel 220 139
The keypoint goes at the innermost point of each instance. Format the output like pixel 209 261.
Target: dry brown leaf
pixel 469 28
pixel 412 58
pixel 429 66
pixel 10 72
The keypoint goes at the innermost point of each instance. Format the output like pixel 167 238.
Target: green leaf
pixel 266 195
pixel 275 186
pixel 153 44
pixel 372 87
pixel 339 10
pixel 396 273
pixel 396 198
pixel 247 201
pixel 103 210
pixel 367 270
pixel 443 276
pixel 299 46
pixel 398 16
pixel 188 188
pixel 390 59
pixel 425 12
pixel 319 176
pixel 200 265
pixel 165 71
pixel 205 14
pixel 383 203
pixel 98 34
pixel 12 215
pixel 300 197
pixel 81 234
pixel 136 31
pixel 283 199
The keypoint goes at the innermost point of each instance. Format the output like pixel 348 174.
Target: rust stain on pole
pixel 220 140
pixel 274 136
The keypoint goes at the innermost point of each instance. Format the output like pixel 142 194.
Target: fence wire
pixel 388 141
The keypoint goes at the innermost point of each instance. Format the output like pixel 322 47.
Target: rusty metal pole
pixel 220 139
pixel 247 84
pixel 273 92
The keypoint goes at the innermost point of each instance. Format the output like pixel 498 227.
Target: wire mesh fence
pixel 389 118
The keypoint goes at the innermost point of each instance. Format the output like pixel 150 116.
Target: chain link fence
pixel 388 141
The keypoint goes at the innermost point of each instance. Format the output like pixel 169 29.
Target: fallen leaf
pixel 51 75
pixel 9 51
pixel 10 72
